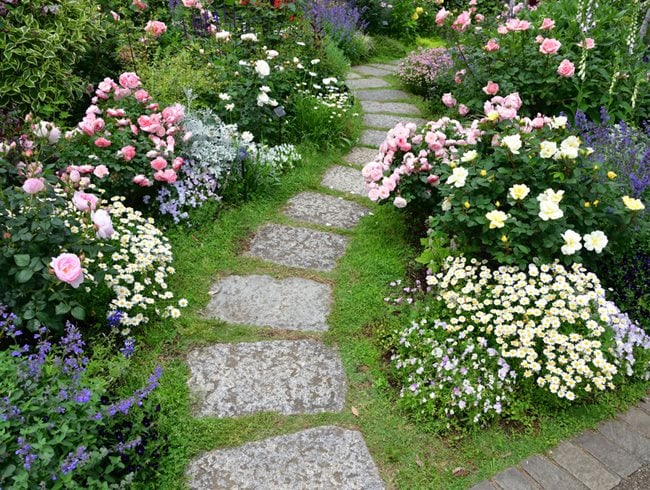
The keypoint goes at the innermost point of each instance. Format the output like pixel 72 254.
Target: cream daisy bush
pixel 484 337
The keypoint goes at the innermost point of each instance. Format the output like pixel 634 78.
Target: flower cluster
pixel 420 70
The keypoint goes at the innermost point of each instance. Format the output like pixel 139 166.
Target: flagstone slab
pixel 638 420
pixel 297 247
pixel 485 485
pixel 388 121
pixel 390 107
pixel 286 376
pixel 550 475
pixel 325 210
pixel 344 179
pixel 373 137
pixel 584 467
pixel 323 458
pixel 360 83
pixel 513 479
pixel 613 457
pixel 293 303
pixel 360 155
pixel 352 76
pixel 373 70
pixel 624 436
pixel 392 68
pixel 381 94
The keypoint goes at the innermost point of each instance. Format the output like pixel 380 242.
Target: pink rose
pixel 142 96
pixel 491 88
pixel 566 69
pixel 502 30
pixel 102 143
pixel 458 77
pixel 463 110
pixel 100 171
pixel 151 124
pixel 192 3
pixel 434 180
pixel 168 176
pixel 539 39
pixel 550 46
pixel 479 18
pixel 492 45
pixel 141 180
pixel 373 194
pixel 74 176
pixel 33 186
pixel 588 43
pixel 121 93
pixel 103 224
pixel 67 268
pixel 85 169
pixel 159 163
pixel 399 202
pixel 173 114
pixel 155 28
pixel 128 152
pixel 178 163
pixel 115 112
pixel 462 21
pixel 115 15
pixel 139 4
pixel 441 16
pixel 84 202
pixel 547 24
pixel 517 25
pixel 106 85
pixel 153 107
pixel 129 80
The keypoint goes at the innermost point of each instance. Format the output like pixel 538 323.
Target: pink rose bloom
pixel 588 43
pixel 479 18
pixel 100 171
pixel 102 143
pixel 463 110
pixel 155 28
pixel 458 77
pixel 502 30
pixel 150 124
pixel 85 169
pixel 74 176
pixel 462 21
pixel 441 16
pixel 141 180
pixel 566 69
pixel 134 129
pixel 139 4
pixel 517 25
pixel 492 45
pixel 33 186
pixel 153 107
pixel 538 122
pixel 67 268
pixel 192 3
pixel 373 194
pixel 106 85
pixel 550 46
pixel 399 202
pixel 177 163
pixel 115 112
pixel 93 109
pixel 491 88
pixel 539 39
pixel 115 15
pixel 128 152
pixel 512 100
pixel 547 24
pixel 173 114
pixel 142 96
pixel 103 224
pixel 159 163
pixel 448 100
pixel 434 180
pixel 168 176
pixel 129 80
pixel 84 202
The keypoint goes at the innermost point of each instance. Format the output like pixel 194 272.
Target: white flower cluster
pixel 137 271
pixel 281 157
pixel 549 322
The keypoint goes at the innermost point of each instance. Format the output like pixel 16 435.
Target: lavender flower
pixel 341 20
pixel 74 460
pixel 129 347
pixel 25 450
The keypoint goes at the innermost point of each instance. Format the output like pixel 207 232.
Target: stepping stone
pixel 323 458
pixel 381 94
pixel 389 68
pixel 613 457
pixel 297 247
pixel 293 303
pixel 367 83
pixel 360 156
pixel 325 210
pixel 344 179
pixel 549 475
pixel 485 485
pixel 390 107
pixel 373 137
pixel 624 436
pixel 638 420
pixel 513 479
pixel 373 70
pixel 584 467
pixel 287 376
pixel 389 122
pixel 352 76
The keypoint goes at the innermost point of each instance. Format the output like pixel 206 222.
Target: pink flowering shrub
pixel 126 137
pixel 421 69
pixel 503 182
pixel 559 56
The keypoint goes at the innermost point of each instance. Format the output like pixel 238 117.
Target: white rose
pixel 595 241
pixel 513 142
pixel 571 242
pixel 262 68
pixel 458 177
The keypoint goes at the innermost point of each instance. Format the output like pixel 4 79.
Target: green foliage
pixel 333 60
pixel 359 48
pixel 41 44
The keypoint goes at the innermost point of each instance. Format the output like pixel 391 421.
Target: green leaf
pixel 21 260
pixel 79 313
pixel 24 275
pixel 62 309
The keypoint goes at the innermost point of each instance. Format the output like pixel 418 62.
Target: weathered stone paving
pixel 594 460
pixel 373 137
pixel 388 122
pixel 379 95
pixel 325 210
pixel 367 83
pixel 344 179
pixel 298 247
pixel 377 107
pixel 374 70
pixel 322 458
pixel 285 376
pixel 360 155
pixel 293 303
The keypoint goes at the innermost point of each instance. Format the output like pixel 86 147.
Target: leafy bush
pixel 61 425
pixel 41 42
pixel 503 183
pixel 486 342
pixel 421 70
pixel 334 61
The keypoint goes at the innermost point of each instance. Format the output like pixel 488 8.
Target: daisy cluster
pixel 552 324
pixel 137 271
pixel 282 157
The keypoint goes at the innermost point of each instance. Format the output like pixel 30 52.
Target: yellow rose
pixel 519 191
pixel 596 202
pixel 419 10
pixel 504 239
pixel 415 16
pixel 587 204
pixel 483 173
pixel 467 205
pixel 633 204
pixel 611 175
pixel 497 219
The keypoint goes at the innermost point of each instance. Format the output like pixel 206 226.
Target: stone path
pixel 293 376
pixel 615 455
